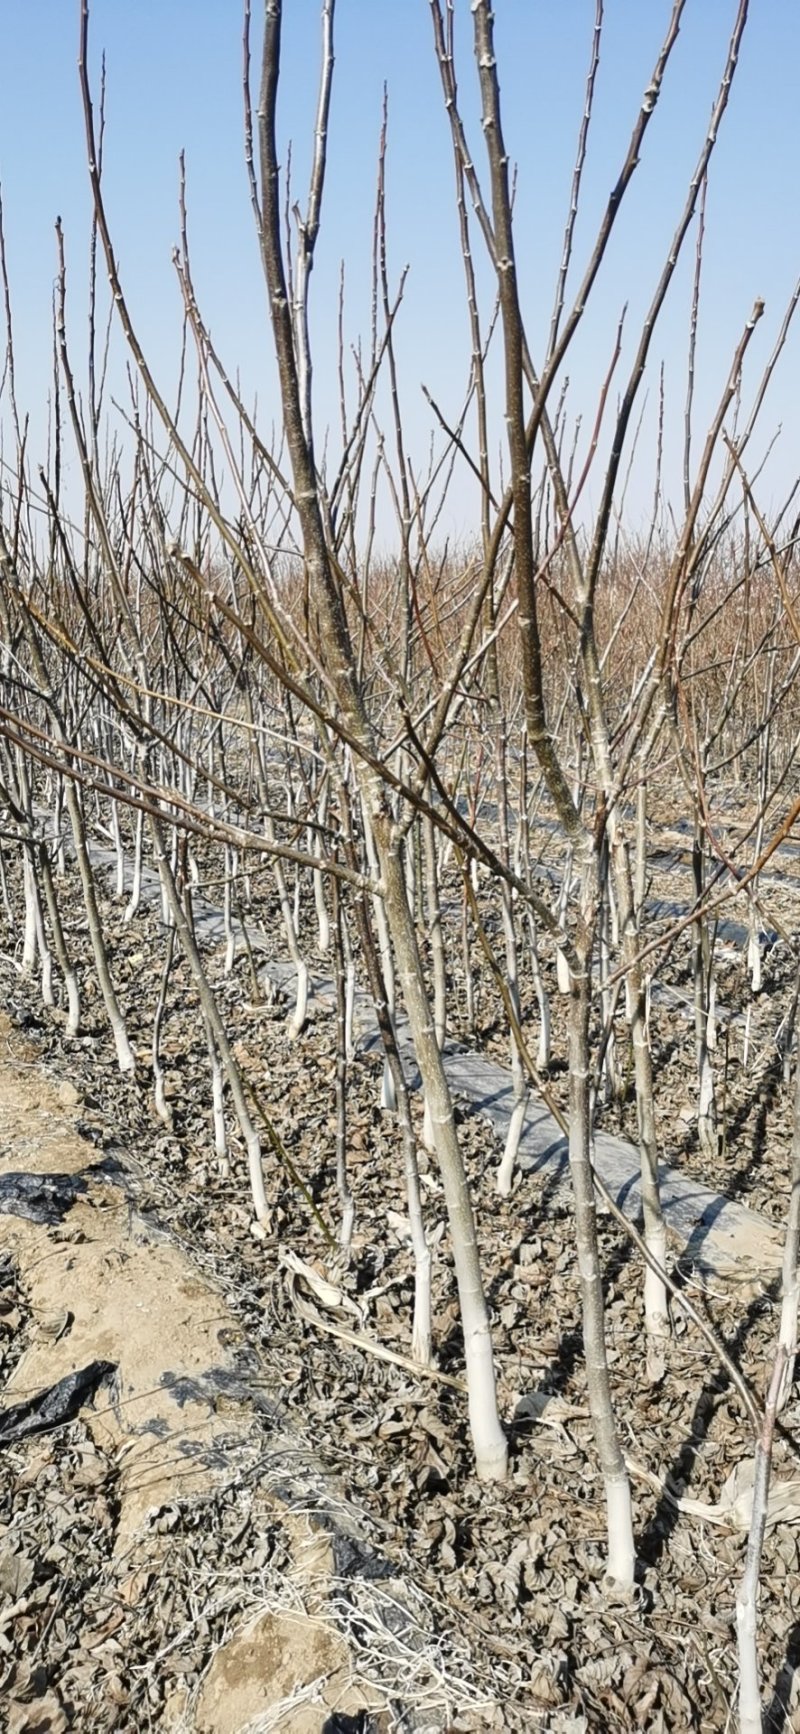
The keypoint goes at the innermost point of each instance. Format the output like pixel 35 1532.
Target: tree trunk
pixel 621 1555
pixel 491 1450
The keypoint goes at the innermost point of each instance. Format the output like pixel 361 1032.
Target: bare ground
pixel 159 1565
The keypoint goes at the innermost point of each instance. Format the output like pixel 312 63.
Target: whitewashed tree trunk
pixel 135 898
pixel 320 905
pixel 790 1277
pixel 4 891
pixel 299 1015
pixel 30 928
pixel 613 1082
pixel 750 1709
pixel 217 1103
pixel 466 964
pixel 388 1092
pixel 42 946
pixel 640 868
pixel 621 1553
pixel 58 829
pixel 119 851
pixel 705 1023
pixel 488 1438
pixel 505 1172
pixel 421 1327
pixel 656 1305
pixel 163 1107
pixel 229 878
pixel 543 1052
pixel 562 967
pixel 346 1199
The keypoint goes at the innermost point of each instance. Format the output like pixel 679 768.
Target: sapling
pixel 522 862
pixel 294 368
pixel 704 994
pixel 318 877
pixel 750 1710
pixel 607 1067
pixel 505 1172
pixel 4 891
pixel 299 1014
pixel 230 867
pixel 213 1019
pixel 40 946
pixel 162 1106
pixel 346 1200
pixel 436 942
pixel 119 847
pixel 421 1325
pixel 135 894
pixel 621 1553
pixel 126 1058
pixel 790 1277
pixel 388 1090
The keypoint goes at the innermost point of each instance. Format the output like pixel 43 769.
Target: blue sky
pixel 174 82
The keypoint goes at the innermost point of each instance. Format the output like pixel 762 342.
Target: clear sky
pixel 174 82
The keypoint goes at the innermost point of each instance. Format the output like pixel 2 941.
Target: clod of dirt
pixel 286 1663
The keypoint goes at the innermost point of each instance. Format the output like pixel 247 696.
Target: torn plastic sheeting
pixel 353 1558
pixel 56 1405
pixel 339 1722
pixel 43 1198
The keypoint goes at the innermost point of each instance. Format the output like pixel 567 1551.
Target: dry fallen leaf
pixel 16 1572
pixel 43 1716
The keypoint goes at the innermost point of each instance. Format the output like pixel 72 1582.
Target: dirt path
pixel 180 1429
